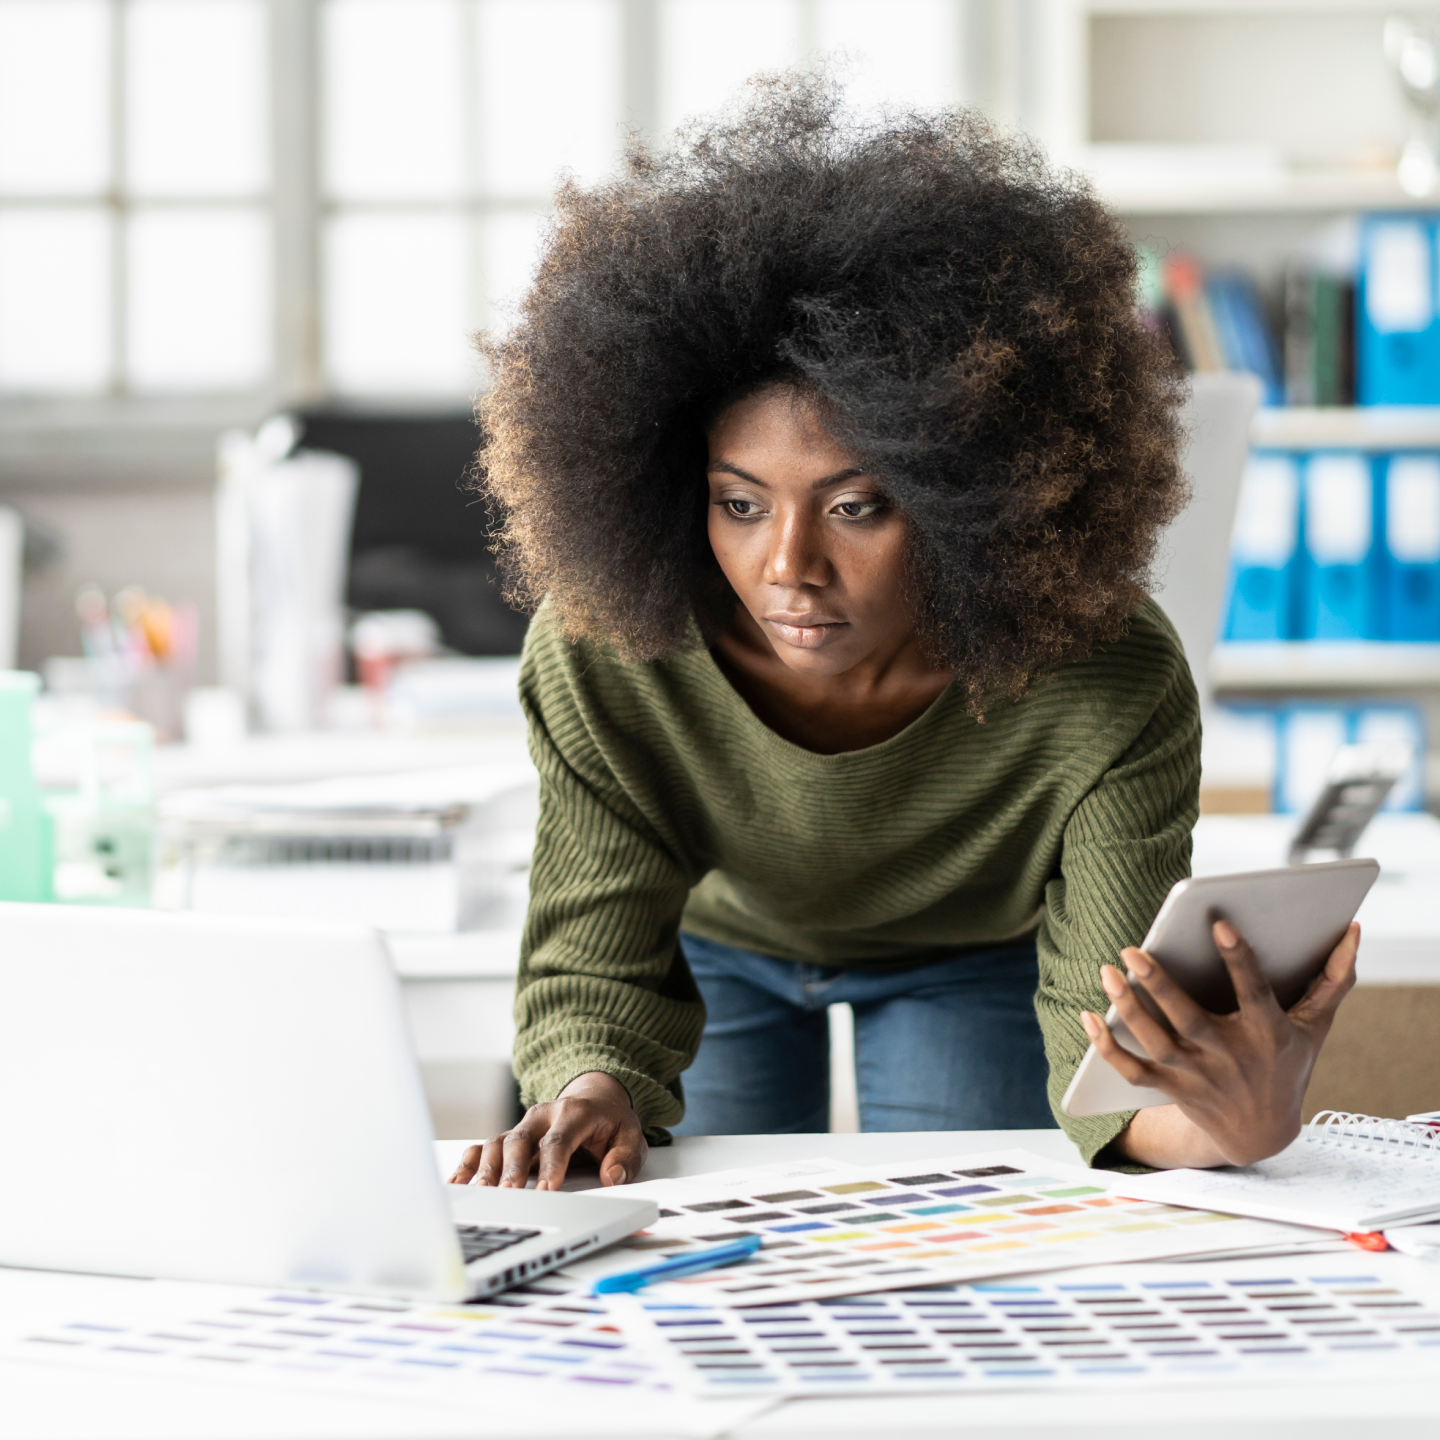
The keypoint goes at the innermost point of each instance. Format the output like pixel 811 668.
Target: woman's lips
pixel 808 632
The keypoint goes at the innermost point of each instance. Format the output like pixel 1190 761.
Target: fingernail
pixel 1111 981
pixel 1138 962
pixel 1087 1022
pixel 1226 934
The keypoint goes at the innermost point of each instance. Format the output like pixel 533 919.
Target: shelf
pixel 1294 195
pixel 1323 665
pixel 1233 7
pixel 1349 427
pixel 1204 179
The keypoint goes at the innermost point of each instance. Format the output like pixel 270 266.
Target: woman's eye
pixel 859 509
pixel 742 509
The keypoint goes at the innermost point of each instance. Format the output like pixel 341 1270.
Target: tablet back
pixel 1292 918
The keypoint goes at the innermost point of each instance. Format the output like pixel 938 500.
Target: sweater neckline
pixel 788 748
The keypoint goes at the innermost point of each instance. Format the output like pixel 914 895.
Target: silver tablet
pixel 1293 919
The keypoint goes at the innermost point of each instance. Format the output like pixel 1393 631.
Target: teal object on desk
pixel 691 1264
pixel 26 834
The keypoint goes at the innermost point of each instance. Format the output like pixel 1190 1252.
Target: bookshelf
pixel 1290 193
pixel 1287 666
pixel 1249 132
pixel 1228 107
pixel 1347 427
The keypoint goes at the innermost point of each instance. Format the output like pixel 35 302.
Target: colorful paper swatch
pixel 832 1230
pixel 541 1332
pixel 1134 1326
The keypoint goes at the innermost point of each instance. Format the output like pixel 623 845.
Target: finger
pixel 1319 1003
pixel 469 1164
pixel 520 1146
pixel 556 1147
pixel 625 1158
pixel 1157 1040
pixel 1252 989
pixel 1131 1067
pixel 492 1160
pixel 1188 1018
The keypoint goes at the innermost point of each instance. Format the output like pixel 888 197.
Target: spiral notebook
pixel 1345 1172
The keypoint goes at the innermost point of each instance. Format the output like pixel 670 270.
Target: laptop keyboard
pixel 478 1241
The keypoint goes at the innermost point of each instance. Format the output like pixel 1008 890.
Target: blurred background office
pixel 243 246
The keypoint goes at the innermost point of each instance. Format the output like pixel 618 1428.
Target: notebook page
pixel 1338 1187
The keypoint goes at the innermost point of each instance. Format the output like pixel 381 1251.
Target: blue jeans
pixel 953 1045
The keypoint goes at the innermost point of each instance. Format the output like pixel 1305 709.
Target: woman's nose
pixel 796 555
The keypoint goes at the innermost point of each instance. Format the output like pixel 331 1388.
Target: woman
pixel 836 458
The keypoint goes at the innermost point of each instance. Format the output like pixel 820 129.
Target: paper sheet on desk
pixel 832 1230
pixel 1132 1327
pixel 537 1357
pixel 1311 1182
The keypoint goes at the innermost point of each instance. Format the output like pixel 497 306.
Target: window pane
pixel 199 297
pixel 707 47
pixel 395 313
pixel 195 97
pixel 393 117
pixel 54 96
pixel 54 300
pixel 549 92
pixel 901 53
pixel 509 251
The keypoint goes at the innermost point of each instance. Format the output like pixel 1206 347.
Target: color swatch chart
pixel 1112 1327
pixel 541 1332
pixel 831 1230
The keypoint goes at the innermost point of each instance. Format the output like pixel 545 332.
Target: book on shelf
pixel 1410 503
pixel 1397 321
pixel 1263 549
pixel 1246 339
pixel 1336 545
pixel 1193 327
pixel 1319 337
pixel 1217 321
pixel 1339 597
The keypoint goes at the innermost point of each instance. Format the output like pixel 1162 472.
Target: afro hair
pixel 963 317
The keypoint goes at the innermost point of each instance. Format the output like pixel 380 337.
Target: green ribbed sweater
pixel 665 802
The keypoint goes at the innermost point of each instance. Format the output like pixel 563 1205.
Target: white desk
pixel 38 1402
pixel 700 1154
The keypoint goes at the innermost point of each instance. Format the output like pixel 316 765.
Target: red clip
pixel 1368 1240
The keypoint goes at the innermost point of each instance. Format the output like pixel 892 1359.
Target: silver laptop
pixel 226 1099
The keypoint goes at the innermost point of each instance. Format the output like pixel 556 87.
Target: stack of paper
pixel 506 1359
pixel 833 1230
pixel 922 1277
pixel 423 852
pixel 1139 1326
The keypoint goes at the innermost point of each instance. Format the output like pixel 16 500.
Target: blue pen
pixel 691 1264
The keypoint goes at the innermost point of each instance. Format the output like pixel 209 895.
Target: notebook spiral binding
pixel 1370 1132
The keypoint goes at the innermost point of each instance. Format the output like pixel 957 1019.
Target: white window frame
pixel 122 438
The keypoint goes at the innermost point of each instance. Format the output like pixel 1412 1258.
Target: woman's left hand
pixel 1237 1080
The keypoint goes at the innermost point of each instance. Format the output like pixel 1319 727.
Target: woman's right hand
pixel 592 1113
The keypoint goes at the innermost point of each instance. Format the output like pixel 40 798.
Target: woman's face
pixel 805 537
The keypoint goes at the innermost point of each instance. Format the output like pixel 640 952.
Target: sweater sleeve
pixel 1125 845
pixel 602 983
